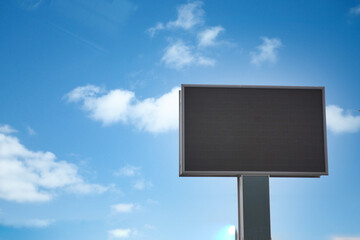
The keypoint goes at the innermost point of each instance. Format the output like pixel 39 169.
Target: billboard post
pixel 253 207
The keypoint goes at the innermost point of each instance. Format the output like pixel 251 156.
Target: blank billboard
pixel 252 130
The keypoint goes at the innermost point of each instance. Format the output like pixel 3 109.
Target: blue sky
pixel 89 114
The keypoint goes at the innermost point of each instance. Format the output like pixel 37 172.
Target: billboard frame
pixel 184 173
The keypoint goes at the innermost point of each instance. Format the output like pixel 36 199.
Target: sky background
pixel 89 114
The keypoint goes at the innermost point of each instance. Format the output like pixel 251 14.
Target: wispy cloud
pixel 355 10
pixel 4 128
pixel 31 4
pixel 123 207
pixel 80 39
pixel 131 171
pixel 28 176
pixel 207 37
pixel 266 52
pixel 121 233
pixel 341 121
pixel 142 184
pixel 152 31
pixel 127 171
pixel 30 131
pixel 153 115
pixel 31 223
pixel 91 17
pixel 178 55
pixel 189 15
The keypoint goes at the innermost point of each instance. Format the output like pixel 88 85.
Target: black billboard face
pixel 234 130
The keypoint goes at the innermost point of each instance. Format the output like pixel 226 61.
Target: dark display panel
pixel 274 130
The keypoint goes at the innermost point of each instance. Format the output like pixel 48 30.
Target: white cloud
pixel 82 187
pixel 152 31
pixel 178 55
pixel 108 108
pixel 28 176
pixel 189 15
pixel 127 171
pixel 346 238
pixel 142 184
pixel 340 121
pixel 266 52
pixel 355 10
pixel 4 128
pixel 153 115
pixel 80 92
pixel 207 37
pixel 120 233
pixel 123 207
pixel 158 115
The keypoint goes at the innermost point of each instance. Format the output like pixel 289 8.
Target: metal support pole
pixel 253 208
pixel 240 209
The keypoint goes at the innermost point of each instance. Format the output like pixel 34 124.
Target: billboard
pixel 278 131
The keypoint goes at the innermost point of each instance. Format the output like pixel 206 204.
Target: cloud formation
pixel 340 121
pixel 120 233
pixel 189 15
pixel 123 207
pixel 142 184
pixel 128 171
pixel 266 52
pixel 178 55
pixel 152 31
pixel 153 115
pixel 355 10
pixel 207 37
pixel 4 128
pixel 28 176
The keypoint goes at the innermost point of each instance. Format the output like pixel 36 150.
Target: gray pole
pixel 253 208
pixel 240 208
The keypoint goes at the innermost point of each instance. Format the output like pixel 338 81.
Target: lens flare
pixel 232 230
pixel 227 233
